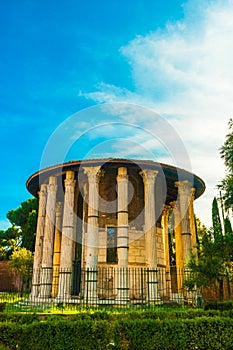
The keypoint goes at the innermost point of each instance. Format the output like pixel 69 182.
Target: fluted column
pixel 192 218
pixel 178 245
pixel 122 218
pixel 122 234
pixel 84 225
pixel 39 240
pixel 165 217
pixel 57 249
pixel 92 241
pixel 92 235
pixel 149 177
pixel 184 194
pixel 67 240
pixel 47 256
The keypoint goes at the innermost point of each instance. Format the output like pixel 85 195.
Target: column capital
pixel 93 173
pixel 149 175
pixel 43 189
pixel 69 180
pixel 122 174
pixel 184 186
pixel 52 185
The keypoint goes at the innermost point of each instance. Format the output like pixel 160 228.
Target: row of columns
pixel 55 249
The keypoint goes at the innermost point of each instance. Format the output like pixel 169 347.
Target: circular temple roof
pixel 170 173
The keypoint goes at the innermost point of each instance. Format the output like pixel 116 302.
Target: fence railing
pixel 106 286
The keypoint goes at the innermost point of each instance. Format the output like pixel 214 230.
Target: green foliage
pixel 201 231
pixel 227 226
pixel 227 187
pixel 112 315
pixel 9 239
pixel 57 335
pixel 21 261
pixel 200 333
pixel 215 254
pixel 226 152
pixel 23 229
pixel 19 318
pixel 227 305
pixel 135 334
pixel 213 263
pixel 216 222
pixel 25 218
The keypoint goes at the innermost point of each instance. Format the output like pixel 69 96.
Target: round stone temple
pixel 113 231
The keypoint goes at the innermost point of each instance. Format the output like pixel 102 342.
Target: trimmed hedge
pixel 19 318
pixel 114 315
pixel 203 333
pixel 219 305
pixel 54 335
pixel 126 334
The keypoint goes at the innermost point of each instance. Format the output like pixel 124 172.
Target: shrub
pixel 219 305
pixel 202 333
pixel 19 318
pixel 56 335
pixel 123 334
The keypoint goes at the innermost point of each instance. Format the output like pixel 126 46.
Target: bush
pixel 56 335
pixel 19 318
pixel 2 306
pixel 202 333
pixel 122 334
pixel 219 305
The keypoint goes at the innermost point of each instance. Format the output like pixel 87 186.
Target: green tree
pixel 200 230
pixel 209 269
pixel 21 261
pixel 227 225
pixel 9 239
pixel 216 222
pixel 215 254
pixel 25 218
pixel 226 153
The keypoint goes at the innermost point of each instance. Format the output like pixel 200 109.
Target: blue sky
pixel 58 58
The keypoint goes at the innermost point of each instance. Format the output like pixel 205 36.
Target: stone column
pixel 165 218
pixel 184 193
pixel 178 245
pixel 92 235
pixel 76 221
pixel 57 249
pixel 77 247
pixel 84 224
pixel 47 256
pixel 67 241
pixel 149 177
pixel 39 241
pixel 192 218
pixel 122 235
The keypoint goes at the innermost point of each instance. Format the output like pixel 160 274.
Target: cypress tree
pixel 216 222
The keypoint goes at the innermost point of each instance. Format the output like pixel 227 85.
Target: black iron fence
pixel 106 286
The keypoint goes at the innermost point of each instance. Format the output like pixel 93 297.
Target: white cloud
pixel 185 73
